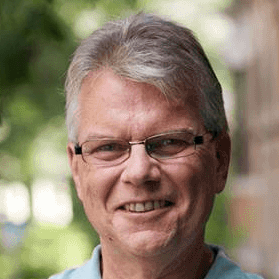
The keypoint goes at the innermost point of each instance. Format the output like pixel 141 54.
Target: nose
pixel 140 168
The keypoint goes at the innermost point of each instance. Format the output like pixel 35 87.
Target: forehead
pixel 114 90
pixel 105 82
pixel 122 107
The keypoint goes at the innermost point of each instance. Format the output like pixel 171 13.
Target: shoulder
pixel 224 268
pixel 90 270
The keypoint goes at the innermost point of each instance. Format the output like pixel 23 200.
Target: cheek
pixel 93 203
pixel 194 180
pixel 90 200
pixel 97 185
pixel 191 173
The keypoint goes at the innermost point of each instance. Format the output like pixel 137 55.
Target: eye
pixel 166 146
pixel 170 142
pixel 151 146
pixel 105 150
pixel 107 147
pixel 96 147
pixel 111 147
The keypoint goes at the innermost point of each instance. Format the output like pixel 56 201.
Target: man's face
pixel 111 106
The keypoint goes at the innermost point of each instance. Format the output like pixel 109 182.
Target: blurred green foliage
pixel 36 41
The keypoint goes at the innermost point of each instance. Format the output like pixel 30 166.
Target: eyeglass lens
pixel 112 151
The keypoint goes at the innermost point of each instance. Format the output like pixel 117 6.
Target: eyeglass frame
pixel 197 140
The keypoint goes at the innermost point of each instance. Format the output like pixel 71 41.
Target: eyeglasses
pixel 113 151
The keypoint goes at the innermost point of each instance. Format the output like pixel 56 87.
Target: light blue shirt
pixel 222 268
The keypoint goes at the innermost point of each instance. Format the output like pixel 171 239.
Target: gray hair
pixel 149 49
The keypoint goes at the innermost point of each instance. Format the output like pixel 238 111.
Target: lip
pixel 145 206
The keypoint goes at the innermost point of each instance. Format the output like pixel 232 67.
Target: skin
pixel 164 243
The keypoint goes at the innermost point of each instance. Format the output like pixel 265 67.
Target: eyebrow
pixel 99 136
pixel 103 136
pixel 188 130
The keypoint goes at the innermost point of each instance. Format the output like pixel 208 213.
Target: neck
pixel 192 263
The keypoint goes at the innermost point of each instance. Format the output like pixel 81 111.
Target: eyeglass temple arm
pixel 78 149
pixel 198 140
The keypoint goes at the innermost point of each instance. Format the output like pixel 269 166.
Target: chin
pixel 149 243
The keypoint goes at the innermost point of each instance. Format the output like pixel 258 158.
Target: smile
pixel 146 206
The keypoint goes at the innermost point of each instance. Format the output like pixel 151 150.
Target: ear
pixel 75 167
pixel 223 155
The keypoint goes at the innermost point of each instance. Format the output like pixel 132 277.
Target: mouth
pixel 141 207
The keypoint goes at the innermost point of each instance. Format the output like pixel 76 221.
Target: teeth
pixel 162 203
pixel 156 204
pixel 132 207
pixel 139 207
pixel 147 206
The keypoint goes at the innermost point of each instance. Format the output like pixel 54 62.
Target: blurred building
pixel 254 59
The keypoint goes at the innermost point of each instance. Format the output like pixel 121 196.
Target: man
pixel 148 149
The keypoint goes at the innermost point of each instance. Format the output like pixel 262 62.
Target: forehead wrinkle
pixel 125 102
pixel 95 78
